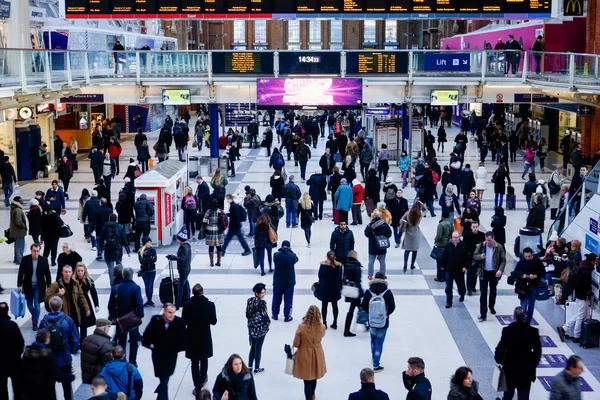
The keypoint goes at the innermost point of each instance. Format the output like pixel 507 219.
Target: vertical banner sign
pixel 168 209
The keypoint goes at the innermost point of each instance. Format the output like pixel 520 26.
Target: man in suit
pixel 199 314
pixel 34 286
pixel 519 353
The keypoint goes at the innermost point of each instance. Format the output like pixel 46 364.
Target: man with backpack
pixel 64 339
pixel 378 302
pixel 122 376
pixel 111 241
pixel 302 155
pixel 237 214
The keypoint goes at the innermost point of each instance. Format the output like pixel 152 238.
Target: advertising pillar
pixel 213 113
pixel 405 127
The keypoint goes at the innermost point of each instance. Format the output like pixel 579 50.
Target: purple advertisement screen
pixel 309 92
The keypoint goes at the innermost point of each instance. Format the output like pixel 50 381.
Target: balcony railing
pixel 24 69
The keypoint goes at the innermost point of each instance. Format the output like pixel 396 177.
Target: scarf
pixel 237 380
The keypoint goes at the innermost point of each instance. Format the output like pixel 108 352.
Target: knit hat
pixel 34 202
pixel 100 322
pixel 145 240
pixel 539 190
pixel 389 180
pixel 55 181
pixel 286 243
pixel 382 205
pixel 355 182
pixel 554 236
pixel 269 198
pixel 127 179
pixel 182 236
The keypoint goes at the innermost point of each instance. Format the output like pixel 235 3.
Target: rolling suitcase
pixel 17 303
pixel 168 287
pixel 590 332
pixel 511 201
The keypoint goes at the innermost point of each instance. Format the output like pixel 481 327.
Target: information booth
pixel 164 186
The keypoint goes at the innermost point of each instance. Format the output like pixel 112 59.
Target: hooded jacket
pixel 18 220
pixel 378 286
pixel 117 377
pixel 343 198
pixel 70 336
pixel 317 187
pixel 357 192
pixel 284 275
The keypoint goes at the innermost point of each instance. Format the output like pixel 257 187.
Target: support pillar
pixel 213 112
pixel 18 35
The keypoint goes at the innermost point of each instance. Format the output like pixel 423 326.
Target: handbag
pixel 272 235
pixel 195 143
pixel 315 289
pixel 542 290
pixel 362 318
pixel 289 365
pixel 369 205
pixel 65 231
pixel 382 242
pixel 564 275
pixel 499 379
pixel 9 240
pixel 350 290
pixel 128 321
pixel 437 253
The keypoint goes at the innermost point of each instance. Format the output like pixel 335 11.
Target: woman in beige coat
pixel 309 361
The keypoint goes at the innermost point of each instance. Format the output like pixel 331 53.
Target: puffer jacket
pixel 404 163
pixel 358 191
pixel 117 378
pixel 143 210
pixel 341 243
pixel 95 353
pixel 18 220
pixel 378 286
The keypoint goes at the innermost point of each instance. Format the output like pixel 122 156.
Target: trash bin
pixel 528 237
pixel 193 167
pixel 223 165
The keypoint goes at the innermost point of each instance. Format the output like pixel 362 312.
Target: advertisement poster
pixel 177 97
pixel 444 97
pixel 168 209
pixel 309 92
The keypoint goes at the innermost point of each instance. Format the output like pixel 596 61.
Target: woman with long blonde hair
pixel 309 361
pixel 306 210
pixel 89 288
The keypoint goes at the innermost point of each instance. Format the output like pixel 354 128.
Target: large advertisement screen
pixel 177 97
pixel 444 97
pixel 300 92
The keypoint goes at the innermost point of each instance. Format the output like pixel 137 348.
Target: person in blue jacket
pixel 117 373
pixel 343 200
pixel 284 280
pixel 55 197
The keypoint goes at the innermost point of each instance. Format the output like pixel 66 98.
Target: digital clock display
pixel 308 62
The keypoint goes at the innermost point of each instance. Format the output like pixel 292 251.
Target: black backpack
pixel 302 151
pixel 112 239
pixel 390 194
pixel 57 337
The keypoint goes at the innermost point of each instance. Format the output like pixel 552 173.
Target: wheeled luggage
pixel 17 303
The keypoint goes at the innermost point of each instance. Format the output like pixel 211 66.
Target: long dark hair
pixel 460 375
pixel 415 213
pixel 84 193
pixel 229 363
pixel 331 259
pixel 263 223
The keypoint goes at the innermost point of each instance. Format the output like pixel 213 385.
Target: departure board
pixel 307 6
pixel 261 6
pixel 77 6
pixel 99 7
pixel 379 6
pixel 331 6
pixel 352 6
pixel 423 6
pixel 191 6
pixel 492 5
pixel 377 62
pixel 214 6
pixel 443 6
pixel 242 63
pixel 237 6
pixel 167 6
pixel 400 6
pixel 468 6
pixel 123 6
pixel 145 6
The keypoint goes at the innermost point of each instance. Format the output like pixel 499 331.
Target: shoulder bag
pixel 128 321
pixel 499 379
pixel 272 235
pixel 382 242
pixel 350 290
pixel 437 253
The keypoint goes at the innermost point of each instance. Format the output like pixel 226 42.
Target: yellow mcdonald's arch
pixel 572 5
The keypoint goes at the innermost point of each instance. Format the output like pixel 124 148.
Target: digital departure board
pixel 309 63
pixel 242 63
pixel 376 62
pixel 408 9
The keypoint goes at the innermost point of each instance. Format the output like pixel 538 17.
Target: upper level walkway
pixel 24 71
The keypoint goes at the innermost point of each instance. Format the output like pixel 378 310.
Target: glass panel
pixel 391 31
pixel 336 34
pixel 370 30
pixel 260 31
pixel 239 31
pixel 294 35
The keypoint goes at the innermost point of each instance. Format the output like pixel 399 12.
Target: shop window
pixel 239 35
pixel 336 35
pixel 293 35
pixel 260 35
pixel 314 35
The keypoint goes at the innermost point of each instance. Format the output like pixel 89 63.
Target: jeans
pixel 577 320
pixel 318 209
pixel 309 389
pixel 148 278
pixel 383 169
pixel 522 391
pixel 303 169
pixel 291 216
pixel 251 225
pixel 19 249
pixel 287 294
pixel 256 345
pixel 397 234
pixel 162 390
pixel 528 303
pixel 239 233
pixel 183 287
pixel 527 167
pixel 404 178
pixel 538 63
pixel 142 228
pixel 439 270
pixel 356 214
pixel 144 165
pixel 372 258
pixel 261 257
pixel 7 188
pixel 489 279
pixel 377 339
pixel 111 270
pixel 126 228
pixel 33 304
pixel 307 234
pixel 412 260
pixel 460 282
pixel 429 205
pixel 498 198
pixel 199 367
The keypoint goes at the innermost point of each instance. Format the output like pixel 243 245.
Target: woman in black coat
pixel 352 273
pixel 499 178
pixel 124 210
pixel 68 257
pixel 330 286
pixel 318 192
pixel 498 224
pixel 372 187
pixel 34 216
pixel 306 209
pixel 51 224
pixel 89 288
pixel 236 380
pixel 277 183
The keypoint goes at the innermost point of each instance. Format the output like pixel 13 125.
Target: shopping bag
pixel 17 189
pixel 289 366
pixel 499 379
pixel 151 163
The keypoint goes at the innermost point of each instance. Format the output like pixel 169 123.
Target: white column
pixel 18 33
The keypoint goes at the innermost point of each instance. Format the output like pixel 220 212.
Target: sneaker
pixel 259 370
pixel 262 274
pixel 370 278
pixel 35 327
pixel 561 333
pixel 349 334
pixel 492 310
pixel 246 253
pixel 412 267
pixel 378 369
pixel 448 305
pixel 288 319
pixel 275 317
pixel 481 319
pixel 435 279
pixel 397 245
pixel 295 226
pixel 461 299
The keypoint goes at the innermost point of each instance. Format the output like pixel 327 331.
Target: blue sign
pixel 534 98
pixel 546 382
pixel 592 244
pixel 552 361
pixel 584 111
pixel 457 62
pixel 4 10
pixel 377 111
pixel 594 226
pixel 547 341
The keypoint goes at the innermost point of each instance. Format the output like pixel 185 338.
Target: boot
pixel 218 264
pixel 211 256
pixel 347 325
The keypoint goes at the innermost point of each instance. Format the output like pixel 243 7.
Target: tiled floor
pixel 421 326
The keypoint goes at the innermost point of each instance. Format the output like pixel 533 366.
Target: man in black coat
pixel 11 348
pixel 326 162
pixel 455 261
pixel 235 227
pixel 199 314
pixel 472 237
pixel 96 350
pixel 35 291
pixel 397 207
pixel 165 336
pixel 334 183
pixel 202 195
pixel 284 280
pixel 367 388
pixel 318 192
pixel 341 242
pixel 519 352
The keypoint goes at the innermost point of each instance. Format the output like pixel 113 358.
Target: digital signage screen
pixel 444 97
pixel 244 63
pixel 309 62
pixel 377 62
pixel 299 92
pixel 177 97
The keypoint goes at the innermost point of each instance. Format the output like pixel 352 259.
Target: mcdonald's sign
pixel 573 8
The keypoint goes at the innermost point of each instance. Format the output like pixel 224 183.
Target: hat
pixel 182 236
pixel 554 236
pixel 269 198
pixel 55 181
pixel 34 202
pixel 100 322
pixel 127 179
pixel 389 179
pixel 145 240
pixel 355 182
pixel 286 243
pixel 539 190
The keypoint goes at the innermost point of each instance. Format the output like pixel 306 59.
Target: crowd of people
pixel 463 255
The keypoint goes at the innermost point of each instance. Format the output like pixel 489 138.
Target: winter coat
pixel 309 362
pixel 277 184
pixel 378 286
pixel 70 336
pixel 368 392
pixel 292 193
pixel 18 221
pixel 357 194
pixel 334 182
pixel 89 209
pixel 464 393
pixel 246 391
pixel 563 387
pixel 443 233
pixel 372 188
pixel 498 224
pixel 341 243
pixel 412 235
pixel 167 343
pixel 480 178
pixel 555 198
pixel 43 277
pixel 275 157
pixel 389 187
pixel 184 258
pixel 199 314
pixel 583 281
pixel 51 224
pixel 77 297
pixel 284 275
pixel 113 252
pixel 306 216
pixel 117 379
pixel 377 227
pixel 404 163
pixel 498 258
pixel 419 387
pixel 500 184
pixel 89 289
pixel 467 181
pixel 317 187
pixel 203 197
pixel 427 188
pixel 343 198
pixel 143 210
pixel 12 346
pixel 40 372
pixel 35 220
pixel 257 316
pixel 448 202
pixel 212 228
pixel 273 210
pixel 455 258
pixel 536 216
pixel 327 162
pixel 352 273
pixel 397 208
pixel 96 351
pixel 519 352
pixel 330 282
pixel 130 299
pixel 124 212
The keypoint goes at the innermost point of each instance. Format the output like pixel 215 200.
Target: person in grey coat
pixel 409 225
pixel 566 385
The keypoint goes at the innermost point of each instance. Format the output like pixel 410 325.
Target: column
pixel 18 34
pixel 213 113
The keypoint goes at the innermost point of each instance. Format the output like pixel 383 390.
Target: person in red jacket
pixel 358 192
pixel 115 151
